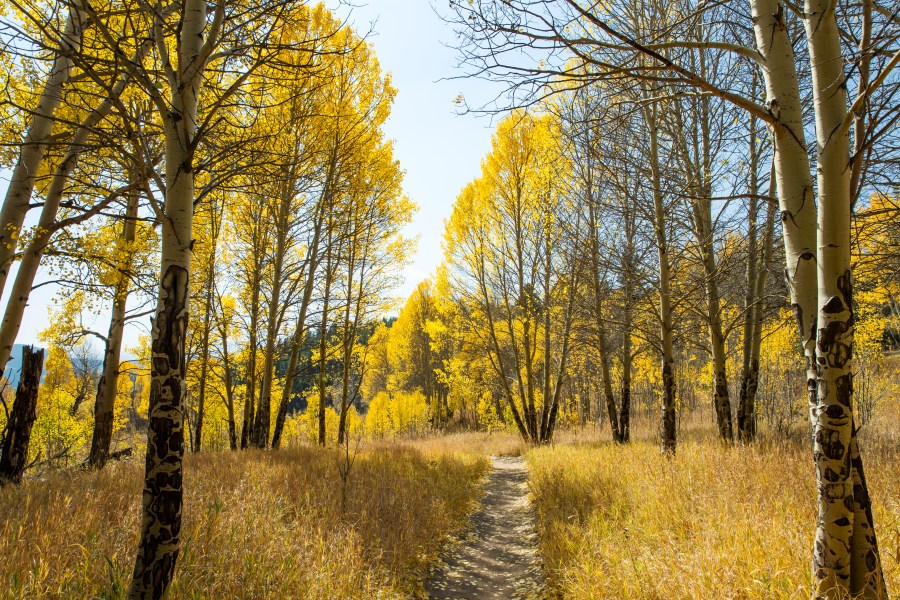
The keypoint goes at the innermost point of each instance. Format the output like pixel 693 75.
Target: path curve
pixel 498 558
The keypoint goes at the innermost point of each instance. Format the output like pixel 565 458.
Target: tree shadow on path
pixel 498 558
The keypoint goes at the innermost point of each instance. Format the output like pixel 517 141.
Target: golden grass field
pixel 715 523
pixel 256 525
pixel 614 521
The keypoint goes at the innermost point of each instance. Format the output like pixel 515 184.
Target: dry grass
pixel 615 522
pixel 479 443
pixel 714 523
pixel 256 525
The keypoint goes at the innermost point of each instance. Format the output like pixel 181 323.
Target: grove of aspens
pixel 657 354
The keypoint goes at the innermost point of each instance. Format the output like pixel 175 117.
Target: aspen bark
pixel 21 185
pixel 47 224
pixel 17 435
pixel 162 496
pixel 792 174
pixel 845 554
pixel 104 405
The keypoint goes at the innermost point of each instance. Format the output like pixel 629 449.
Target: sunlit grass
pixel 256 525
pixel 713 523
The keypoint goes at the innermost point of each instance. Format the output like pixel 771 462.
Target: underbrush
pixel 714 523
pixel 256 525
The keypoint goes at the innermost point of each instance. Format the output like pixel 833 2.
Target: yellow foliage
pixel 488 418
pixel 56 430
pixel 308 422
pixel 403 413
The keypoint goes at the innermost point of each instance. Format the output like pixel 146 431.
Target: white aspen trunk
pixel 162 495
pixel 47 226
pixel 104 404
pixel 845 555
pixel 859 119
pixel 163 491
pixel 792 175
pixel 21 185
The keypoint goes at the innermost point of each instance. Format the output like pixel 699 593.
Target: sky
pixel 439 149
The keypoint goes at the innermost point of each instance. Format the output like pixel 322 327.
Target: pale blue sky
pixel 438 149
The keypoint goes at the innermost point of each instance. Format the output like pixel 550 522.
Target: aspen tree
pixel 48 223
pixel 31 153
pixel 816 232
pixel 108 385
pixel 163 486
pixel 582 127
pixel 508 239
pixel 651 114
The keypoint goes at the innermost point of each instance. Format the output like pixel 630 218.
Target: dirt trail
pixel 498 557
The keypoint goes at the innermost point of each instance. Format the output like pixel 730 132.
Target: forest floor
pixel 498 556
pixel 581 518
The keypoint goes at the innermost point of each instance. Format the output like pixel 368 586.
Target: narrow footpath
pixel 498 558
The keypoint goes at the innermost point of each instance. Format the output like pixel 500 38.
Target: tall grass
pixel 256 525
pixel 713 523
